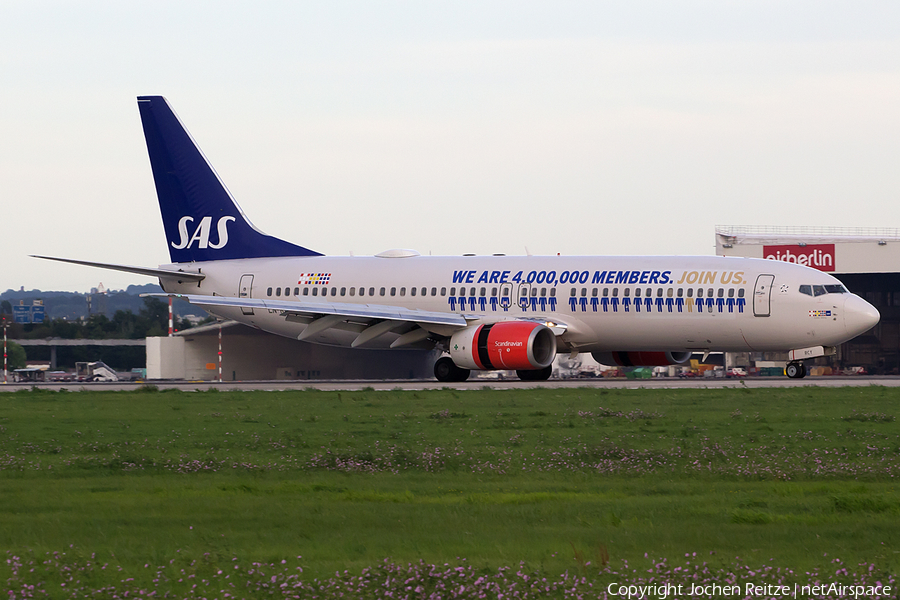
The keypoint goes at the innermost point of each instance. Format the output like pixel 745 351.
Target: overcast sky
pixel 447 127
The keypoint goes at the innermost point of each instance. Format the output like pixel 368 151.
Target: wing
pixel 376 319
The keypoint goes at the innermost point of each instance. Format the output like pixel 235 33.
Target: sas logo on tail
pixel 201 233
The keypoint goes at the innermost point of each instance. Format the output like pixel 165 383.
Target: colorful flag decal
pixel 314 278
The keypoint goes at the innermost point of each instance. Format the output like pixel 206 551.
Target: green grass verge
pixel 555 478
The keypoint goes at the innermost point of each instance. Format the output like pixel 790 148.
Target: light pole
pixel 5 371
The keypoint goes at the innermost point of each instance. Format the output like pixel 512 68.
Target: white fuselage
pixel 606 303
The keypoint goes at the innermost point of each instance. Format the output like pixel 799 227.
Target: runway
pixel 355 385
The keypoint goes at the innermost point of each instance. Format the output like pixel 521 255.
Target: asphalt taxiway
pixel 496 384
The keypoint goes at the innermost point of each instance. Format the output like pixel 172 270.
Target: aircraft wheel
pixel 445 370
pixel 539 375
pixel 795 370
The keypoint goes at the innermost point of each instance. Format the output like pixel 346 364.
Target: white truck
pixel 95 371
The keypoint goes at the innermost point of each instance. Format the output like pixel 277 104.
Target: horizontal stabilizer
pixel 179 275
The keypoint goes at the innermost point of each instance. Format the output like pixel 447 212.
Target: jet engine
pixel 517 345
pixel 641 359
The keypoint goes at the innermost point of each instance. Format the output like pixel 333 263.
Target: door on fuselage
pixel 244 291
pixel 762 296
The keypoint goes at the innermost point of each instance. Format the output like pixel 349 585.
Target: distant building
pixel 866 260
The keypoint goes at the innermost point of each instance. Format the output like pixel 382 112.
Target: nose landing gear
pixel 795 370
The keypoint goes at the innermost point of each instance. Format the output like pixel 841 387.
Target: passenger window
pixel 452 291
pixel 721 293
pixel 269 292
pixel 741 293
pixel 493 292
pixel 731 292
pixel 627 292
pixel 690 292
pixel 534 292
pixel 615 292
pixel 471 291
pixel 659 293
pixel 584 292
pixel 315 291
pixel 372 291
pixel 362 291
pixel 669 293
pixel 434 291
pixel 402 291
pixel 805 289
pixel 381 291
pixel 393 291
pixel 353 291
pixel 637 292
pixel 649 292
pixel 700 293
pixel 605 292
pixel 425 292
pixel 334 291
pixel 343 291
pixel 553 292
pixel 680 292
pixel 709 293
pixel 277 291
pixel 819 290
pixel 296 291
pixel 543 292
pixel 594 293
pixel 306 291
pixel 412 291
pixel 572 292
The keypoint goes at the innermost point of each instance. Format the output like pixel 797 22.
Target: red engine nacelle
pixel 514 345
pixel 641 359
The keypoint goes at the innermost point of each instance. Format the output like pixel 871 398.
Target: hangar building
pixel 251 354
pixel 866 260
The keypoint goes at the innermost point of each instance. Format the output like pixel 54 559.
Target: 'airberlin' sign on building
pixel 817 256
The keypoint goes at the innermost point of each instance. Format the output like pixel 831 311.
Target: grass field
pixel 602 484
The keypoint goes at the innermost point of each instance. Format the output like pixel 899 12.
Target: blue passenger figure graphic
pixel 648 304
pixel 494 303
pixel 573 302
pixel 679 302
pixel 583 304
pixel 604 302
pixel 669 303
pixel 699 305
pixel 615 303
pixel 720 302
pixel 595 302
pixel 472 301
pixel 452 300
pixel 730 304
pixel 553 303
pixel 659 304
pixel 543 303
pixel 534 303
pixel 626 302
pixel 637 305
pixel 740 304
pixel 481 302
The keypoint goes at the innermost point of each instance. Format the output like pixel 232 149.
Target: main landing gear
pixel 795 370
pixel 445 370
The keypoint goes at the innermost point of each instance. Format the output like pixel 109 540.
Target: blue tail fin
pixel 201 219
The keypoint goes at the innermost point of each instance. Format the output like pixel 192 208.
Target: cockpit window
pixel 836 289
pixel 819 290
pixel 806 289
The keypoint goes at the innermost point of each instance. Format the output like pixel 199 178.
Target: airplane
pixel 482 312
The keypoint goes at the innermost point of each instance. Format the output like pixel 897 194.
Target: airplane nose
pixel 859 315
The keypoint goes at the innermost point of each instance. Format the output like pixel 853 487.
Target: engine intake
pixel 641 359
pixel 513 345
